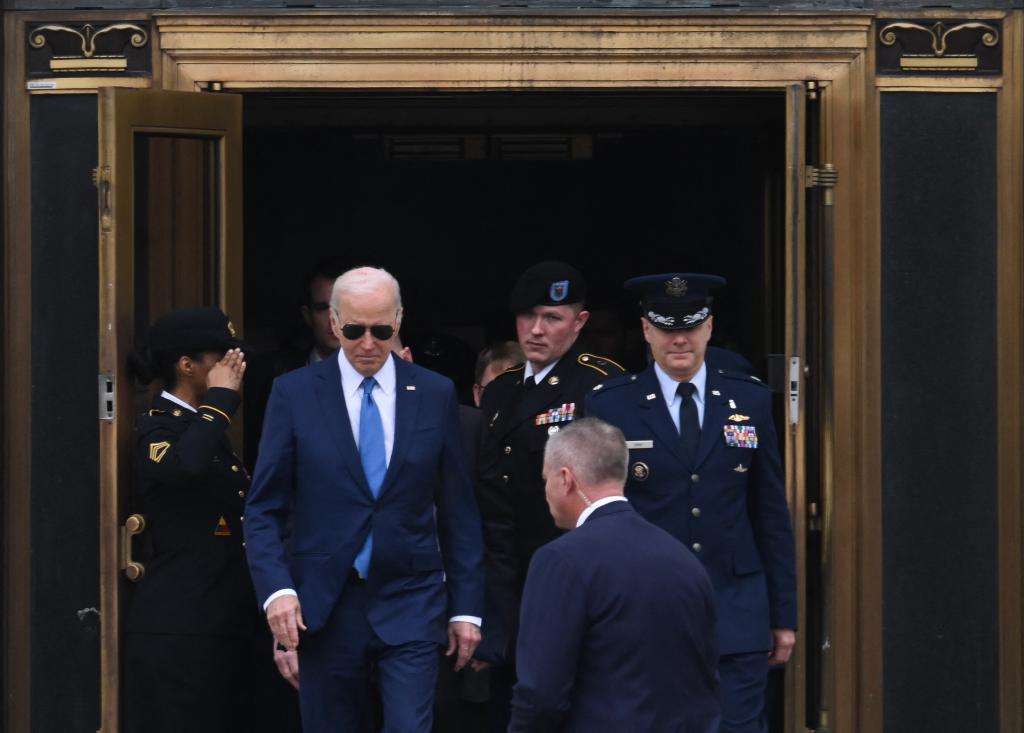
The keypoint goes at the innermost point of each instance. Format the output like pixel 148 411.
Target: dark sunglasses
pixel 355 331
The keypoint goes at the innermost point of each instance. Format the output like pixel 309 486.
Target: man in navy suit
pixel 360 448
pixel 617 626
pixel 704 466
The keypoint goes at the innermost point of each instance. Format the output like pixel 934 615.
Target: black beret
pixel 193 330
pixel 547 283
pixel 675 300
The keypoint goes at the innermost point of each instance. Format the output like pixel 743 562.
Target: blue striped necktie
pixel 374 459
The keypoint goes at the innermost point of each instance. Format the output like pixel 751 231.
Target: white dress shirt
pixel 669 386
pixel 538 377
pixel 168 396
pixel 585 514
pixel 385 396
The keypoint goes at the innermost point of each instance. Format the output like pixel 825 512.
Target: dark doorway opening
pixel 456 194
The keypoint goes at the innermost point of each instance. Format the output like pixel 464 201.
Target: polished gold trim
pixel 88 35
pixel 122 114
pixel 1009 367
pixel 946 63
pixel 17 385
pixel 955 84
pixel 473 51
pixel 796 346
pixel 94 64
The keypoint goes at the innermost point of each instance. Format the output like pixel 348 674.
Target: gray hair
pixel 593 449
pixel 364 281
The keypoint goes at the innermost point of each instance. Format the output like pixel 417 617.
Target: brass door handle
pixel 132 526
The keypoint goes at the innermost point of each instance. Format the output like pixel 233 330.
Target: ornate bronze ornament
pixel 944 47
pixel 108 48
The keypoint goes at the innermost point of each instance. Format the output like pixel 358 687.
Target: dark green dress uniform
pixel 517 420
pixel 192 616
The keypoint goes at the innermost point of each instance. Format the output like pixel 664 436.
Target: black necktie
pixel 529 383
pixel 689 424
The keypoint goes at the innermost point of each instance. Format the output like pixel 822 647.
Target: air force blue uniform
pixel 616 633
pixel 728 506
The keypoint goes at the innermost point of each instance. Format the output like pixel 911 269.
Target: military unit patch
pixel 740 436
pixel 565 413
pixel 157 451
pixel 222 530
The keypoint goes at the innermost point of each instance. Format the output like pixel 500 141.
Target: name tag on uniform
pixel 634 444
pixel 740 436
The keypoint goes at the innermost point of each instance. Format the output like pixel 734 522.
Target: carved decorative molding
pixel 940 47
pixel 75 49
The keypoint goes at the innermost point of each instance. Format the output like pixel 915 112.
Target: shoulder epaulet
pixel 516 368
pixel 741 377
pixel 617 380
pixel 601 364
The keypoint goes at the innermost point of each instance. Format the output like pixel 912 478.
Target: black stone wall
pixel 940 551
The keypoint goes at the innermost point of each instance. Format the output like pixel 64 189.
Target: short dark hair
pixel 326 269
pixel 507 351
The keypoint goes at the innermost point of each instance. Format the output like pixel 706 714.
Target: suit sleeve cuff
pixel 278 594
pixel 475 620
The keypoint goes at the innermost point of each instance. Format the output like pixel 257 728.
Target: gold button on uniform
pixel 696 547
pixel 695 511
pixel 695 478
pixel 241 519
pixel 508 449
pixel 505 478
pixel 241 494
pixel 234 468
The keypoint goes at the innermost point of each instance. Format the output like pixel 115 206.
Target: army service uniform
pixel 192 616
pixel 517 420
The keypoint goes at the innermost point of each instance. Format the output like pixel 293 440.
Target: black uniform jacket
pixel 516 422
pixel 191 488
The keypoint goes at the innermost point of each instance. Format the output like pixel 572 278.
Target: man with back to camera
pixel 704 466
pixel 618 618
pixel 354 447
pixel 520 409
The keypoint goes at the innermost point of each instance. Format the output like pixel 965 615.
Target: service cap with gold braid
pixel 675 301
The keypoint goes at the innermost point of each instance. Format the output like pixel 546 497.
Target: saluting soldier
pixel 192 617
pixel 704 465
pixel 519 410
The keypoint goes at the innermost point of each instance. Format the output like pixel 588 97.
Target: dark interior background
pixel 457 194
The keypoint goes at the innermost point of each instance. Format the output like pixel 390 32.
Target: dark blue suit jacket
pixel 730 508
pixel 616 633
pixel 309 465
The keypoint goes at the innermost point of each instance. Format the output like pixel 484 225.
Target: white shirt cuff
pixel 475 620
pixel 278 594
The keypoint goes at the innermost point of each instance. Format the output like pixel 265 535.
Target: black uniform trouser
pixel 176 683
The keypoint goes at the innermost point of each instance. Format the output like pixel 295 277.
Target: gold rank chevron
pixel 157 451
